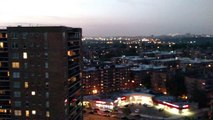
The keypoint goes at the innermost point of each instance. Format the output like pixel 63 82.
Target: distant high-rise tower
pixel 44 73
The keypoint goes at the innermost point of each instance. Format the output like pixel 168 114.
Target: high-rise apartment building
pixel 44 73
pixel 5 102
pixel 105 79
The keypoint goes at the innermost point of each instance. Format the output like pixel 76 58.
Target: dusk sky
pixel 113 17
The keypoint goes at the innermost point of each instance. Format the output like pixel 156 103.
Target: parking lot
pixel 146 110
pixel 137 112
pixel 88 116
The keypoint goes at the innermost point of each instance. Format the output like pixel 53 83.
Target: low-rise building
pixel 198 83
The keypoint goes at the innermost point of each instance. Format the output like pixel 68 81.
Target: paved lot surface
pixel 138 112
pixel 97 117
pixel 149 111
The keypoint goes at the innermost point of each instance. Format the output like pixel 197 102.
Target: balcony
pixel 70 66
pixel 73 72
pixel 74 56
pixel 4 68
pixel 73 47
pixel 74 89
pixel 6 106
pixel 5 49
pixel 73 83
pixel 7 116
pixel 4 78
pixel 73 36
pixel 3 58
pixel 4 97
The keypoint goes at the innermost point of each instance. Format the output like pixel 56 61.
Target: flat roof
pixel 88 69
pixel 138 94
pixel 41 28
pixel 166 60
pixel 120 65
pixel 147 67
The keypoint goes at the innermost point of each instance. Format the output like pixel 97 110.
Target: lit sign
pixel 100 102
pixel 173 105
pixel 185 106
pixel 123 98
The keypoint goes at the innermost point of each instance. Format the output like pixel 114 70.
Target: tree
pixel 126 110
pixel 200 97
pixel 147 80
pixel 176 85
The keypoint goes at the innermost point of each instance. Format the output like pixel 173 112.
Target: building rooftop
pixel 121 65
pixel 194 61
pixel 138 94
pixel 147 67
pixel 167 60
pixel 160 52
pixel 89 69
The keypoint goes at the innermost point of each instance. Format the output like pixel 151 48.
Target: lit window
pixel 46 65
pixel 15 65
pixel 70 53
pixel 47 114
pixel 3 111
pixel 27 113
pixel 33 93
pixel 8 73
pixel 24 55
pixel 47 84
pixel 16 75
pixel 17 103
pixel 72 79
pixel 46 75
pixel 47 94
pixel 33 112
pixel 64 35
pixel 1 45
pixel 2 92
pixel 17 112
pixel 47 104
pixel 26 84
pixel 94 91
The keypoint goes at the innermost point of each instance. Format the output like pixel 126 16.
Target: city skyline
pixel 114 17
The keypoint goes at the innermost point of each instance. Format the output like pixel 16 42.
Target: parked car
pixel 137 110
